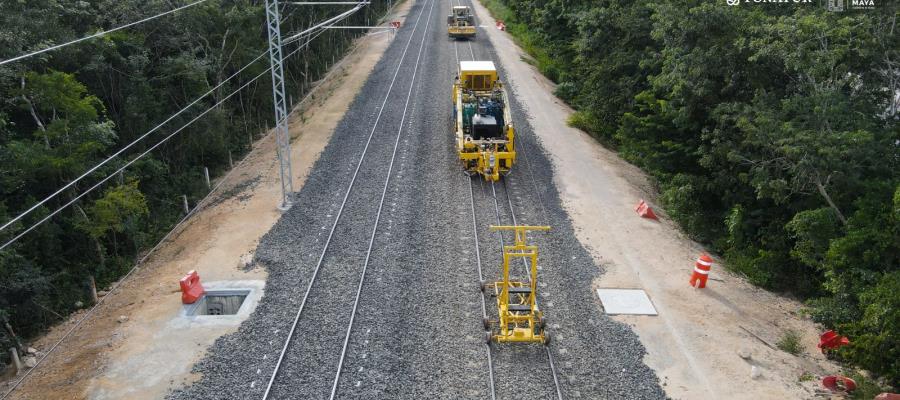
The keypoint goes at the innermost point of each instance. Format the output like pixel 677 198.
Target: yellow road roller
pixel 482 120
pixel 520 320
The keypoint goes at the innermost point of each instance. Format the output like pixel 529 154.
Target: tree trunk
pixel 830 202
pixel 96 241
pixel 37 120
pixel 12 334
pixel 93 286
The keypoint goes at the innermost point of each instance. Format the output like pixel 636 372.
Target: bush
pixel 790 342
pixel 566 91
pixel 795 181
pixel 875 338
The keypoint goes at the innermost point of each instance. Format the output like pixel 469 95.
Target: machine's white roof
pixel 460 7
pixel 477 66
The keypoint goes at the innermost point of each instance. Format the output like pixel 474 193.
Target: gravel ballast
pixel 418 331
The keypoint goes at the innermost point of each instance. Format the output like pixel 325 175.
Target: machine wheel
pixel 487 323
pixel 542 323
pixel 486 288
pixel 546 338
pixel 488 335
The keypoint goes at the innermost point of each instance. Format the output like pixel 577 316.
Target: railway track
pixel 382 305
pixel 326 304
pixel 497 214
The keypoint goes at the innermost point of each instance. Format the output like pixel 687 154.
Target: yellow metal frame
pixel 490 158
pixel 464 31
pixel 520 320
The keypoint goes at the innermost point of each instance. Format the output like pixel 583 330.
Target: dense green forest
pixel 770 130
pixel 64 111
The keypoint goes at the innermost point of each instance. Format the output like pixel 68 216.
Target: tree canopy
pixel 771 131
pixel 64 111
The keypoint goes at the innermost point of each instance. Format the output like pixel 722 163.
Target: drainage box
pixel 219 302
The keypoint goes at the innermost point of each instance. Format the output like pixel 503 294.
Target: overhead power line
pixel 146 256
pixel 108 177
pixel 129 145
pixel 99 34
pixel 330 22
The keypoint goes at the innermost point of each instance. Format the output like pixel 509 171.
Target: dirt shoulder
pixel 693 343
pixel 152 352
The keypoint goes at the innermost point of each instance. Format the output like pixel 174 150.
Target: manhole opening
pixel 225 302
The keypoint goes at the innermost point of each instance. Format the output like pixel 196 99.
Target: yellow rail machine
pixel 520 320
pixel 461 23
pixel 485 136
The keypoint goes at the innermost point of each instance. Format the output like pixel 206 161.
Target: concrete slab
pixel 254 289
pixel 626 301
pixel 178 340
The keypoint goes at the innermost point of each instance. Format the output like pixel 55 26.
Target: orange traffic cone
pixel 701 271
pixel 645 211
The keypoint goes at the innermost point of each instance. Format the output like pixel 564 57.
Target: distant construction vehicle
pixel 461 22
pixel 519 318
pixel 485 137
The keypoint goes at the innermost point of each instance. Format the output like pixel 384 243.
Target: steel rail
pixel 387 181
pixel 512 213
pixel 487 346
pixel 315 274
pixel 152 251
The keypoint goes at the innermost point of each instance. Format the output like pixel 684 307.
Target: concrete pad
pixel 626 301
pixel 172 345
pixel 254 289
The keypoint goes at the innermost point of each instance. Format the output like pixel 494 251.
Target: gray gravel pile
pixel 418 331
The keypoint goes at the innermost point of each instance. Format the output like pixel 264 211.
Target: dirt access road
pixel 693 343
pixel 147 355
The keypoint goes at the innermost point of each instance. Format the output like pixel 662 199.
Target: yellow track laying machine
pixel 482 120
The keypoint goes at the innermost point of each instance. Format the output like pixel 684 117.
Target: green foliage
pixel 812 231
pixel 771 131
pixel 119 205
pixel 64 111
pixel 876 336
pixel 806 377
pixel 866 387
pixel 790 342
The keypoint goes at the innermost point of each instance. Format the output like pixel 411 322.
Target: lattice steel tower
pixel 282 137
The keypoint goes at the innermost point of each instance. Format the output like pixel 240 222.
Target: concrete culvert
pixel 225 302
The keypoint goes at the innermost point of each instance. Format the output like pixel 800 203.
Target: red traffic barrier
pixel 191 289
pixel 395 24
pixel 830 340
pixel 838 383
pixel 645 211
pixel 500 25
